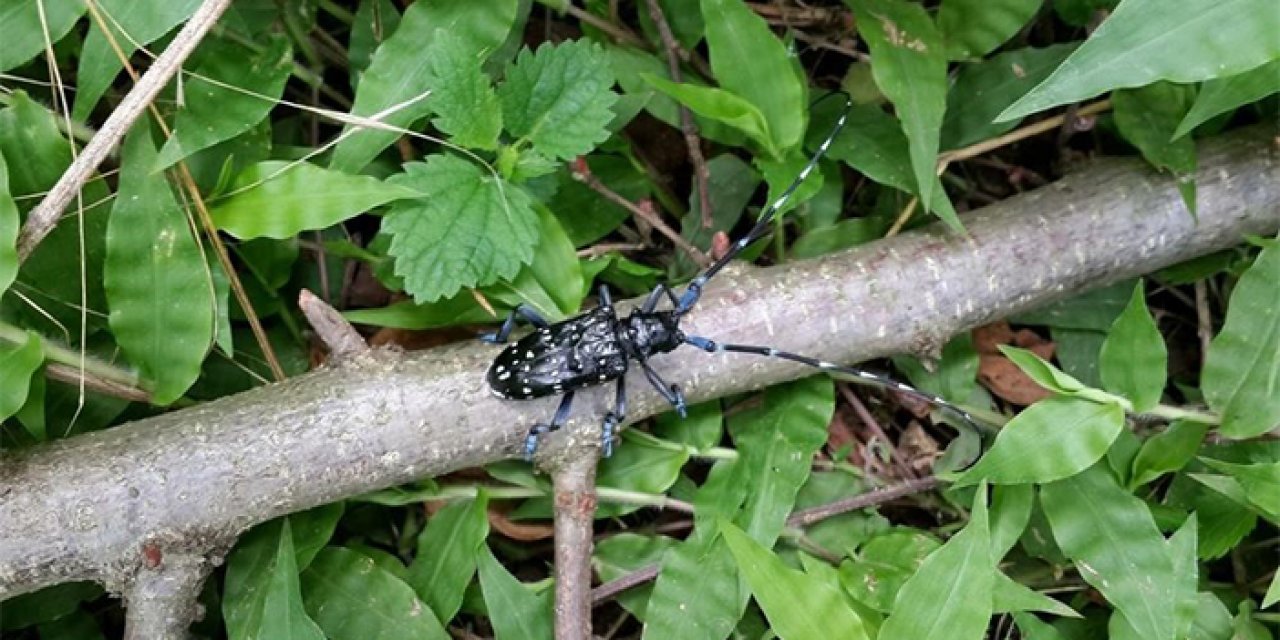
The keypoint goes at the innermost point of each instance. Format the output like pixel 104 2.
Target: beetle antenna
pixel 694 290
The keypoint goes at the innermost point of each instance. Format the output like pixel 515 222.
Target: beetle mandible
pixel 598 346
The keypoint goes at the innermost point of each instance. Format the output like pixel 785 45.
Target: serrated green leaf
pixel 552 283
pixel 1114 542
pixel 515 611
pixel 262 597
pixel 909 66
pixel 462 96
pixel 352 598
pixel 1147 118
pixel 984 88
pixel 777 445
pixel 951 595
pixel 798 605
pixel 8 230
pixel 1220 95
pixel 559 98
pixel 397 76
pixel 1133 358
pixel 1148 40
pixel 973 28
pixel 1239 378
pixel 213 112
pixel 1167 451
pixel 743 50
pixel 24 25
pixel 17 363
pixel 278 199
pixel 142 23
pixel 884 564
pixel 466 229
pixel 1009 596
pixel 156 281
pixel 1052 439
pixel 1260 481
pixel 446 558
pixel 719 105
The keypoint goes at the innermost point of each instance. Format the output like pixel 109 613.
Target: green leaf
pixel 697 594
pixel 446 557
pixel 1240 377
pixel 1052 378
pixel 515 611
pixel 1010 596
pixel 558 98
pixel 462 96
pixel 730 187
pixel 352 598
pixel 1010 512
pixel 24 25
pixel 777 444
pixel 397 75
pixel 719 105
pixel 552 283
pixel 1220 95
pixel 1147 118
pixel 953 376
pixel 630 64
pixel 951 595
pixel 142 23
pixel 1052 439
pixel 639 466
pixel 156 280
pixel 743 50
pixel 213 111
pixel 1273 592
pixel 1148 40
pixel 1260 481
pixel 780 174
pixel 1134 359
pixel 375 21
pixel 466 228
pixel 984 88
pixel 623 553
pixel 1167 451
pixel 262 597
pixel 884 564
pixel 1033 629
pixel 8 230
pixel 973 28
pixel 17 363
pixel 1115 544
pixel 909 66
pixel 797 604
pixel 278 199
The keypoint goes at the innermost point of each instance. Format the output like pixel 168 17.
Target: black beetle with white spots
pixel 598 346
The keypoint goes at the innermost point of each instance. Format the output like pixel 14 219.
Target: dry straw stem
pixel 188 482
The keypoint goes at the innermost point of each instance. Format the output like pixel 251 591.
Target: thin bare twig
pixel 575 509
pixel 701 174
pixel 646 214
pixel 597 250
pixel 45 216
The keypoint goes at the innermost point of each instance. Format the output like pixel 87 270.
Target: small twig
pixel 620 34
pixel 648 215
pixel 800 16
pixel 45 216
pixel 575 509
pixel 874 426
pixel 334 331
pixel 1204 319
pixel 604 248
pixel 107 387
pixel 162 599
pixel 612 588
pixel 806 517
pixel 702 175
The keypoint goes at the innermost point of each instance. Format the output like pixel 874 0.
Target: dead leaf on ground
pixel 998 374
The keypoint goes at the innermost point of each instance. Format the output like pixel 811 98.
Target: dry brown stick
pixel 45 216
pixel 1204 319
pixel 646 214
pixel 617 33
pixel 701 174
pixel 575 510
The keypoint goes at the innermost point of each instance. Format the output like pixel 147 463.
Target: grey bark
pixel 188 482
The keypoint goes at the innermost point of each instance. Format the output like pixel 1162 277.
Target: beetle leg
pixel 670 392
pixel 521 311
pixel 557 421
pixel 615 417
pixel 606 299
pixel 655 296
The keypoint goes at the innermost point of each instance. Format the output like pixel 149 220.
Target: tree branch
pixel 81 508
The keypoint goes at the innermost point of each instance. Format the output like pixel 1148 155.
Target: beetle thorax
pixel 645 334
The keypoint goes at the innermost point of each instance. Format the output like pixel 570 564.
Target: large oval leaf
pixel 1241 376
pixel 278 199
pixel 973 28
pixel 262 597
pixel 446 558
pixel 24 26
pixel 1223 94
pixel 719 105
pixel 515 611
pixel 1134 358
pixel 1052 439
pixel 352 598
pixel 156 279
pixel 1148 40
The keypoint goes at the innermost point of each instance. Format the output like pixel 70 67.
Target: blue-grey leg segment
pixel 606 299
pixel 557 421
pixel 655 296
pixel 670 392
pixel 509 324
pixel 615 417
